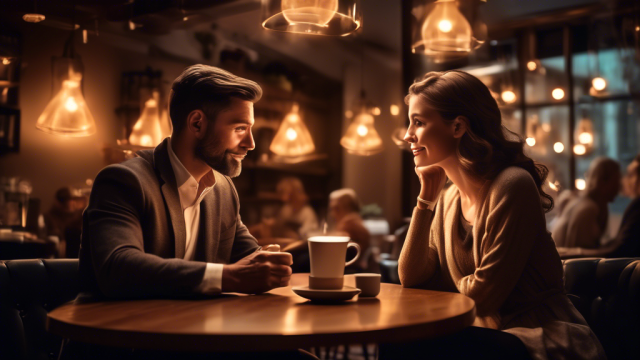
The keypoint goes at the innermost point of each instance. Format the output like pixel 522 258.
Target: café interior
pixel 86 85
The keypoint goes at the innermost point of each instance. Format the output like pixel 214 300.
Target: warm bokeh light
pixel 599 83
pixel 361 137
pixel 6 61
pixel 554 186
pixel 508 96
pixel 557 94
pixel 558 147
pixel 317 13
pixel 132 25
pixel 531 141
pixel 579 149
pixel 585 138
pixel 376 111
pixel 149 130
pixel 395 110
pixel 445 26
pixel 33 18
pixel 348 114
pixel 293 137
pixel 362 130
pixel 546 127
pixel 71 104
pixel 532 66
pixel 581 184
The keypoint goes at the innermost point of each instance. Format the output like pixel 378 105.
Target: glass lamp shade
pixel 315 17
pixel 584 132
pixel 149 131
pixel 361 137
pixel 293 137
pixel 67 113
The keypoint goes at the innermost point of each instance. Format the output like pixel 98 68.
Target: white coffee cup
pixel 327 254
pixel 369 284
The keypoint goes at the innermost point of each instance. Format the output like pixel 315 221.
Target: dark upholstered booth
pixel 607 293
pixel 28 290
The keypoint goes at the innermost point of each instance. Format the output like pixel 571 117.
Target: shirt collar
pixel 187 184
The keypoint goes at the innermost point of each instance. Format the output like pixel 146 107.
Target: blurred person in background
pixel 64 219
pixel 627 241
pixel 344 209
pixel 584 220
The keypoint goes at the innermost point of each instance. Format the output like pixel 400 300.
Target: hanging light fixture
pixel 67 113
pixel 361 137
pixel 584 131
pixel 315 17
pixel 34 17
pixel 446 32
pixel 151 128
pixel 293 137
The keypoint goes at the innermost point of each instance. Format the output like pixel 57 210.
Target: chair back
pixel 29 289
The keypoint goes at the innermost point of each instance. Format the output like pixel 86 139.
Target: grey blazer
pixel 134 236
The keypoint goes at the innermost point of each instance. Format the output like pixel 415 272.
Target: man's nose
pixel 248 142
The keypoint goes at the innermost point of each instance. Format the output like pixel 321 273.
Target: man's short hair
pixel 347 197
pixel 601 170
pixel 207 88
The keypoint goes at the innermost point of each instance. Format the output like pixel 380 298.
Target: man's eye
pixel 241 128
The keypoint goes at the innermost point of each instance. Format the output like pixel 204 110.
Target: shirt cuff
pixel 212 281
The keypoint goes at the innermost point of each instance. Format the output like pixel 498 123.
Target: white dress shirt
pixel 190 201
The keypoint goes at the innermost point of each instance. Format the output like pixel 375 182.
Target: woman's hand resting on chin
pixel 432 180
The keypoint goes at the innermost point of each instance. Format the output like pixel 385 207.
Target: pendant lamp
pixel 150 129
pixel 361 137
pixel 67 113
pixel 584 130
pixel 314 17
pixel 293 137
pixel 447 33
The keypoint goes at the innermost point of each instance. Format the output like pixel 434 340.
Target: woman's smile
pixel 417 150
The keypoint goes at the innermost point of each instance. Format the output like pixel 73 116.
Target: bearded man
pixel 166 223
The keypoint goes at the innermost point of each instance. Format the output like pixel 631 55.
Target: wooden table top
pixel 278 320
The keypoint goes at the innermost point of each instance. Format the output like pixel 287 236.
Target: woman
pixel 487 237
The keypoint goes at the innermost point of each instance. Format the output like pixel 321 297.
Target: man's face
pixel 630 182
pixel 228 138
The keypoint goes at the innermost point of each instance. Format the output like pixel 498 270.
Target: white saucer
pixel 346 293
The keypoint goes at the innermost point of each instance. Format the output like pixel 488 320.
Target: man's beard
pixel 219 159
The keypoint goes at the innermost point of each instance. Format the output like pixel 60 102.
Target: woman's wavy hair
pixel 484 149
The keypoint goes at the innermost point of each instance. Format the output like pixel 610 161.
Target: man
pixel 344 208
pixel 584 220
pixel 627 241
pixel 167 223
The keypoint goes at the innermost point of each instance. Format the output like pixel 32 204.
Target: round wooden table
pixel 278 320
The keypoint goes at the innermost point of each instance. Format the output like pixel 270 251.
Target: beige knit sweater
pixel 517 278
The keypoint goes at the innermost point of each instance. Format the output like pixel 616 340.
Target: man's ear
pixel 197 123
pixel 460 126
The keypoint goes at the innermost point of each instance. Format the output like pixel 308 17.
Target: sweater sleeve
pixel 418 259
pixel 514 222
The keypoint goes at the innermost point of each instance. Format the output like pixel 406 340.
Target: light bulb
pixel 362 130
pixel 395 110
pixel 581 184
pixel 554 186
pixel 315 12
pixel 376 111
pixel 508 96
pixel 558 147
pixel 446 30
pixel 291 134
pixel 579 149
pixel 33 18
pixel 532 66
pixel 348 114
pixel 149 130
pixel 557 93
pixel 585 138
pixel 71 104
pixel 445 26
pixel 6 61
pixel 599 83
pixel 531 141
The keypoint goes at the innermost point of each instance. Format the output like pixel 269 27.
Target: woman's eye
pixel 417 123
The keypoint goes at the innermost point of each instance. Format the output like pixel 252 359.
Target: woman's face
pixel 432 139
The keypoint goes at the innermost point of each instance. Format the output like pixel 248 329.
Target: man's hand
pixel 257 273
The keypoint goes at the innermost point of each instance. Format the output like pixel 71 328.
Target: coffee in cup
pixel 327 256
